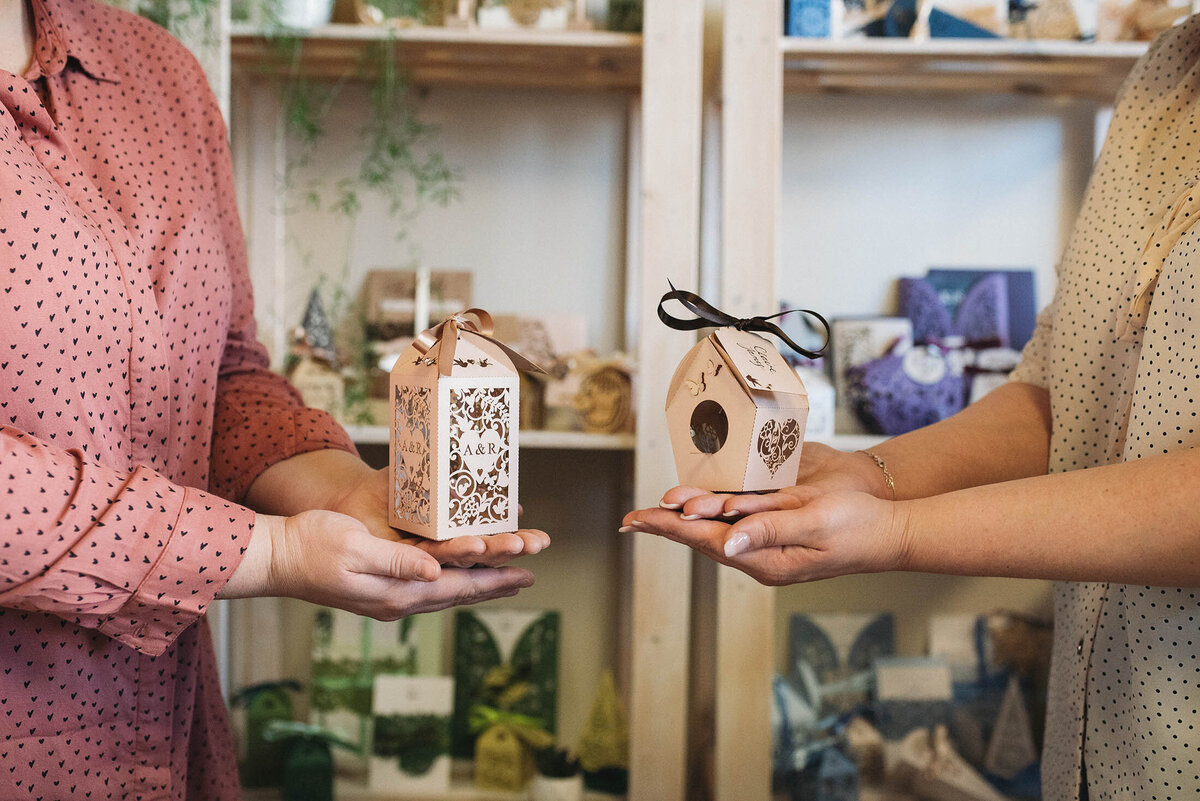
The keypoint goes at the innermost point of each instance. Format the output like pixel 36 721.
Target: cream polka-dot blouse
pixel 134 401
pixel 1119 351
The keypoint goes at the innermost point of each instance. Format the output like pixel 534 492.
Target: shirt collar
pixel 66 29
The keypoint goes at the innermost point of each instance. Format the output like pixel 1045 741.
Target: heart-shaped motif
pixel 777 443
pixel 480 451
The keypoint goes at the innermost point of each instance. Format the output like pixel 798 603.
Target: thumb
pixel 762 530
pixel 393 559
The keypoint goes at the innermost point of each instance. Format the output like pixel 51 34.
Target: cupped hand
pixel 332 559
pixel 795 535
pixel 822 470
pixel 367 500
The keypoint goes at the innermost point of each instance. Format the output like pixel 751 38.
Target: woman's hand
pixel 367 500
pixel 822 469
pixel 332 559
pixel 799 534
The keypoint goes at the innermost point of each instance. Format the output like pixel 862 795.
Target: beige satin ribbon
pixel 1182 214
pixel 445 337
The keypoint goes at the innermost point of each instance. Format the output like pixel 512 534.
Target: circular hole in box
pixel 709 426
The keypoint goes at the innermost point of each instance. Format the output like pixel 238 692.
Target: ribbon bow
pixel 446 333
pixel 708 315
pixel 528 729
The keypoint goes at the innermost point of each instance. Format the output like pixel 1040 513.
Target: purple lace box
pixel 981 316
pixel 900 392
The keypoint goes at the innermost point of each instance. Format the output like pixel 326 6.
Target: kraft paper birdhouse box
pixel 736 413
pixel 455 405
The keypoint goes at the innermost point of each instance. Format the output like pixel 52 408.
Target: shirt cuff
pixel 205 546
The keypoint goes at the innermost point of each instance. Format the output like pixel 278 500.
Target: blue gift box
pixel 810 18
pixel 912 693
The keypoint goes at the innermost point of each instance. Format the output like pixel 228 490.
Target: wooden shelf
pixel 541 440
pixel 461 789
pixel 580 441
pixel 578 60
pixel 1074 69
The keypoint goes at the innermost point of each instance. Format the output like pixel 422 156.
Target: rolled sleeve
pixel 260 421
pixel 132 555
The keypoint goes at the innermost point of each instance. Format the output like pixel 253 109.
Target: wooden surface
pixel 542 440
pixel 1075 69
pixel 751 134
pixel 588 60
pixel 669 148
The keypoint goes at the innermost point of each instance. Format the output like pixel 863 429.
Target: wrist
pixel 253 576
pixel 903 536
pixel 313 480
pixel 881 481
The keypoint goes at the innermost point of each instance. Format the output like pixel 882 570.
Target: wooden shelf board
pixel 541 440
pixel 1076 69
pixel 577 60
pixel 461 789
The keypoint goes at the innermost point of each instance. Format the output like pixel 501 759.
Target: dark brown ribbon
pixel 445 336
pixel 708 315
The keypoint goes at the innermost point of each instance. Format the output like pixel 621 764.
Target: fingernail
pixel 689 517
pixel 730 513
pixel 666 505
pixel 634 525
pixel 736 544
pixel 427 571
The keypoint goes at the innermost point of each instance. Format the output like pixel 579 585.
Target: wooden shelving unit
pixel 537 440
pixel 1074 69
pixel 662 74
pixel 759 70
pixel 645 619
pixel 594 60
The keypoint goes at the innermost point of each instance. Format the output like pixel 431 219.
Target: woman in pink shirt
pixel 149 460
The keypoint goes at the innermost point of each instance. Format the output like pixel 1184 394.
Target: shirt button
pixel 1079 648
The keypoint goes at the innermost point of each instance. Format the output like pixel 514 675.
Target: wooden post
pixel 669 247
pixel 463 16
pixel 752 88
pixel 579 19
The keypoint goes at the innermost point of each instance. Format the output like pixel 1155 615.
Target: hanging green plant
pixel 399 165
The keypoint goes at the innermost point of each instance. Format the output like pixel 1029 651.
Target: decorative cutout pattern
pixel 777 443
pixel 412 474
pixel 480 455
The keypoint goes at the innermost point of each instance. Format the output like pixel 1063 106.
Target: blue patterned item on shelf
pixel 832 657
pixel 912 693
pixel 809 18
pixel 828 775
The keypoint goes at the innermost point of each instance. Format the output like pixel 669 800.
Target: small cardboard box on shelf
pixel 410 752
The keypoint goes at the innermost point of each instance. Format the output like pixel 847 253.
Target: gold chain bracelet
pixel 887 475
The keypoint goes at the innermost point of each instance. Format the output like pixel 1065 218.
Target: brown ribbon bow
pixel 445 336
